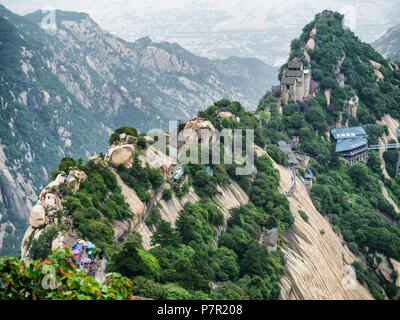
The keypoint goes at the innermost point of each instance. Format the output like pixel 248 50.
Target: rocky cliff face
pixel 64 90
pixel 231 196
pixel 317 260
pixel 392 125
pixel 44 213
pixel 169 212
pixel 389 44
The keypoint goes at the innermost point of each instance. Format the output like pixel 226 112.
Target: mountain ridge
pixel 389 44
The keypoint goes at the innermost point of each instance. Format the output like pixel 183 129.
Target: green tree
pixel 153 217
pixel 167 194
pixel 165 235
pixel 147 288
pixel 254 260
pixel 132 261
pixel 141 143
pixel 156 177
pixel 334 161
pixel 188 226
pixel 65 164
pixel 20 280
pixel 176 293
pixel 229 269
pixel 187 276
pixel 358 173
pixel 374 162
pixel 277 155
pixel 41 248
pixel 391 157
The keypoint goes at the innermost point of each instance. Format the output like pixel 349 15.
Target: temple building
pixel 287 150
pixel 351 143
pixel 295 83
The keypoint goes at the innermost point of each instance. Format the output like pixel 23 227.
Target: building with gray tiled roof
pixel 351 143
pixel 295 65
pixel 287 150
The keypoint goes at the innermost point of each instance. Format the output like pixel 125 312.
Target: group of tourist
pixel 198 119
pixel 46 196
pixel 83 251
pixel 221 110
pixel 115 144
pixel 63 174
pixel 85 258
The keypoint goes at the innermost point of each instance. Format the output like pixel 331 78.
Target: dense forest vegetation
pixel 185 260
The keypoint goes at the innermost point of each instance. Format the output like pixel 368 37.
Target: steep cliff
pixel 67 205
pixel 392 125
pixel 137 207
pixel 169 212
pixel 204 250
pixel 316 258
pixel 229 196
pixel 360 88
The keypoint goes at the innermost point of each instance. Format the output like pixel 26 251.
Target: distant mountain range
pixel 389 44
pixel 64 90
pixel 222 28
